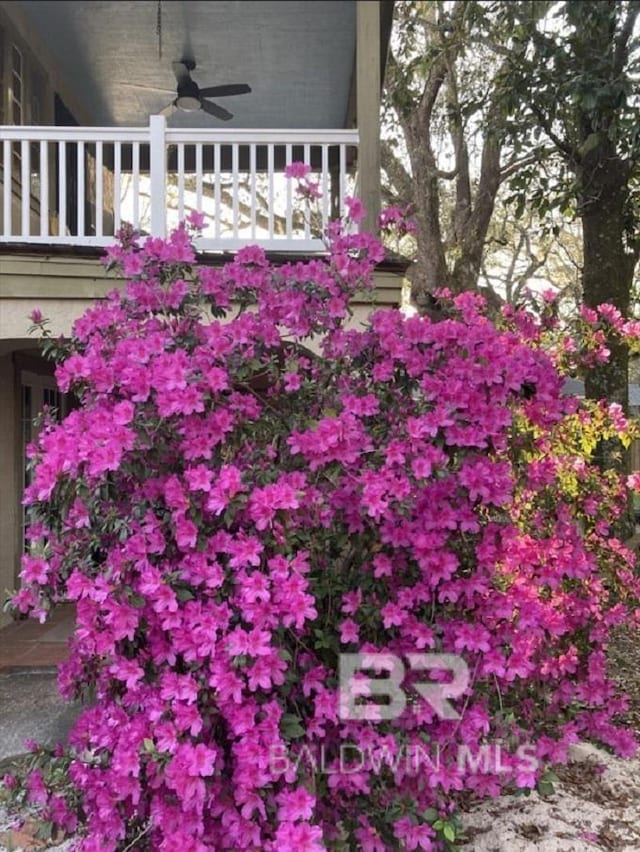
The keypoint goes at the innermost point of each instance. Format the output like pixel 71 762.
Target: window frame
pixel 19 76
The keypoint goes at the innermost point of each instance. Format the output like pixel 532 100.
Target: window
pixel 37 87
pixel 37 97
pixel 17 85
pixel 23 91
pixel 39 392
pixel 15 101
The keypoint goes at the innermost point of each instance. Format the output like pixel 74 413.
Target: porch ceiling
pixel 298 57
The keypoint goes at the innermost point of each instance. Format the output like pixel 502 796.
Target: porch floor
pixel 30 645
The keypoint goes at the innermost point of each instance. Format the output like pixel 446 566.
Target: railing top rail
pixel 40 133
pixel 226 135
pixel 229 135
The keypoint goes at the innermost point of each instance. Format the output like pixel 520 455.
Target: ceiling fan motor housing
pixel 188 95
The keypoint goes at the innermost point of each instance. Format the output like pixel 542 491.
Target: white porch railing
pixel 78 185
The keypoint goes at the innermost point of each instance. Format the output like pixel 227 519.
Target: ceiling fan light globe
pixel 187 103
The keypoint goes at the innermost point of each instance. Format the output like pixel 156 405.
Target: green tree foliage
pixel 574 87
pixel 527 104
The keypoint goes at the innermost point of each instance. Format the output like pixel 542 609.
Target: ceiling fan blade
pixel 225 91
pixel 182 71
pixel 146 88
pixel 218 111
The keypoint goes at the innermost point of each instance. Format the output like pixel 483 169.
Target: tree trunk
pixel 607 273
pixel 430 270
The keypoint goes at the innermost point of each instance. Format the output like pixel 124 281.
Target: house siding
pixel 9 478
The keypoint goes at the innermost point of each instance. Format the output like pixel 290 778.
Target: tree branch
pixel 621 53
pixel 396 171
pixel 570 152
pixel 456 132
pixel 516 164
pixel 439 68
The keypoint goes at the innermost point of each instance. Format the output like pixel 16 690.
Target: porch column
pixel 158 175
pixel 368 108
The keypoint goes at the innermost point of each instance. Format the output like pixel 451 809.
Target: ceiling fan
pixel 191 98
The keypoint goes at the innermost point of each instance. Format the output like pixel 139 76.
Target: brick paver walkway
pixel 28 644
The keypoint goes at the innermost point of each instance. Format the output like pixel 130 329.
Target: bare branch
pixel 396 171
pixel 446 175
pixel 518 163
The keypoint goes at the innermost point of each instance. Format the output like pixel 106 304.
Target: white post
pixel 25 186
pixel 158 174
pixel 7 178
pixel 44 188
pixel 368 106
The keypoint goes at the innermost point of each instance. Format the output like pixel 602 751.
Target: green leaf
pixel 545 788
pixel 291 727
pixel 430 815
pixel 449 832
pixel 184 595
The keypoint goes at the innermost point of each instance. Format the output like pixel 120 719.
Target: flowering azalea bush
pixel 232 511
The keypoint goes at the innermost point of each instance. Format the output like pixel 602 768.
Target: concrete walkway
pixel 30 707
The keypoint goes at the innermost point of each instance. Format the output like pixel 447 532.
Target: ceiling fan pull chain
pixel 159 29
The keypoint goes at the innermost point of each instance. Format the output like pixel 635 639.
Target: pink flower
pixel 198 478
pixel 392 615
pixel 355 209
pixel 292 382
pixel 198 760
pixel 35 569
pixel 186 533
pixel 297 170
pixel 196 219
pixel 396 219
pixel 36 788
pixel 127 671
pixel 349 631
pixel 295 805
pixel 123 413
pixel 299 837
